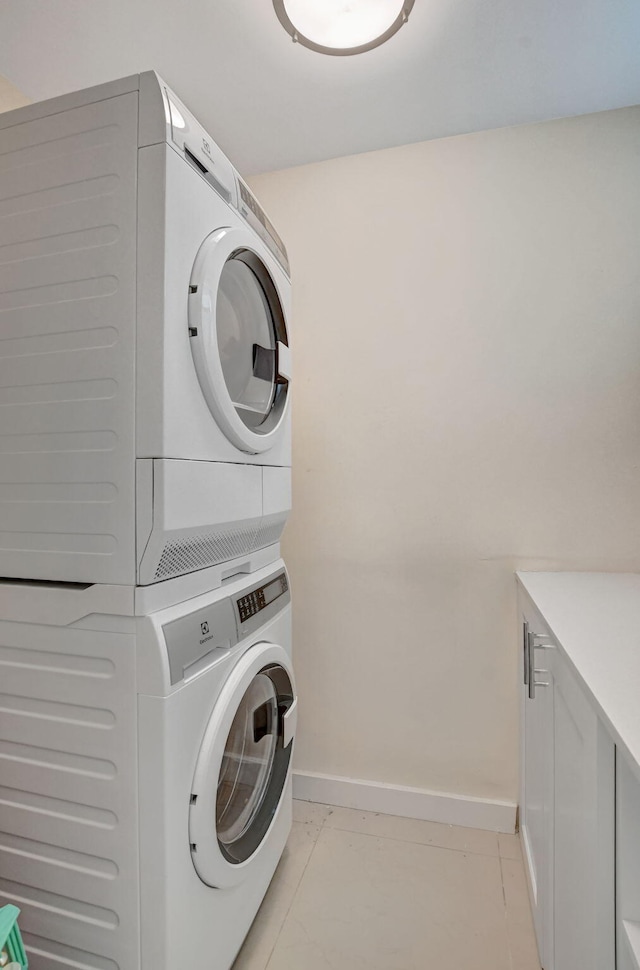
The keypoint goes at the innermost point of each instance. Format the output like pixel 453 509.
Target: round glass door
pixel 242 774
pixel 239 338
pixel 246 342
pixel 247 763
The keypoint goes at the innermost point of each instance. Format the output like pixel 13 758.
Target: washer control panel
pixel 223 623
pixel 258 599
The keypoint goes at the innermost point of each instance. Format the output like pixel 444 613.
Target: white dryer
pixel 144 344
pixel 146 782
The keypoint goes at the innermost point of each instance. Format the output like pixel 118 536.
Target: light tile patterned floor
pixel 361 891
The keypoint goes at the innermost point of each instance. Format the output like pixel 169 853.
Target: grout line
pixel 293 895
pixel 435 845
pixel 504 894
pixel 427 845
pixel 506 916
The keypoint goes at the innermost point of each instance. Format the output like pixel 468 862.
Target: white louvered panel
pixel 68 776
pixel 67 321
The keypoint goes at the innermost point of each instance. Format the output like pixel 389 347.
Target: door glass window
pixel 232 807
pixel 248 762
pixel 246 342
pixel 239 342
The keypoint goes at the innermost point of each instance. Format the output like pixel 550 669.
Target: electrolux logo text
pixel 204 629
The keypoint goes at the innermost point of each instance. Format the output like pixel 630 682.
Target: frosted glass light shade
pixel 342 26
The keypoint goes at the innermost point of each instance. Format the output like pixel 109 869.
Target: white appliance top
pixel 163 117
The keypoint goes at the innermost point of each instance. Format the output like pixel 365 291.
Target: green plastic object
pixel 10 940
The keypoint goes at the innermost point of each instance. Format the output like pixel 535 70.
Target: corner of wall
pixel 10 96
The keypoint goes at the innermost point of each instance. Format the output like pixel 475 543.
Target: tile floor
pixel 361 891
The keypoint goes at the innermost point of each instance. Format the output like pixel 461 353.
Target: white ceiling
pixel 458 66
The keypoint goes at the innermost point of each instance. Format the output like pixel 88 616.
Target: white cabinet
pixel 583 829
pixel 567 802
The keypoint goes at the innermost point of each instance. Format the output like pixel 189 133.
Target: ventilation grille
pixel 267 534
pixel 189 553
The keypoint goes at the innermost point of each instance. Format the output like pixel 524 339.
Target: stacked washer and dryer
pixel 147 698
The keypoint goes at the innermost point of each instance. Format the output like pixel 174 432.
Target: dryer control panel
pixel 250 208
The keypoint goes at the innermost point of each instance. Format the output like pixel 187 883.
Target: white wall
pixel 10 97
pixel 467 402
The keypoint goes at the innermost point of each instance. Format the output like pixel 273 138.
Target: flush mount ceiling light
pixel 342 26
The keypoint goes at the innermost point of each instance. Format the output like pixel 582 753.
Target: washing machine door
pixel 239 339
pixel 243 766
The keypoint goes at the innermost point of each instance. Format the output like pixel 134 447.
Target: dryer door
pixel 239 339
pixel 243 766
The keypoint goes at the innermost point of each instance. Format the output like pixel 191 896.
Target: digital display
pixel 273 589
pixel 251 603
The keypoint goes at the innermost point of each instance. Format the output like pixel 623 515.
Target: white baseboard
pixel 431 806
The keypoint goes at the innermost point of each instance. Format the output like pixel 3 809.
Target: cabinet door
pixel 628 865
pixel 583 809
pixel 536 784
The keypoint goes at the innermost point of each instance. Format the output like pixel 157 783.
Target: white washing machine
pixel 145 791
pixel 144 344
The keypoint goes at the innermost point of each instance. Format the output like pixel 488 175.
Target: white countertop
pixel 595 619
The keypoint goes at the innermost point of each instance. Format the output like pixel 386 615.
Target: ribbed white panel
pixel 67 318
pixel 68 804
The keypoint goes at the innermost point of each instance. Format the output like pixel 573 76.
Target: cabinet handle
pixel 525 650
pixel 537 641
pixel 531 675
pixel 540 683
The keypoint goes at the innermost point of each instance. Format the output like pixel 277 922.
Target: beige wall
pixel 467 402
pixel 10 97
